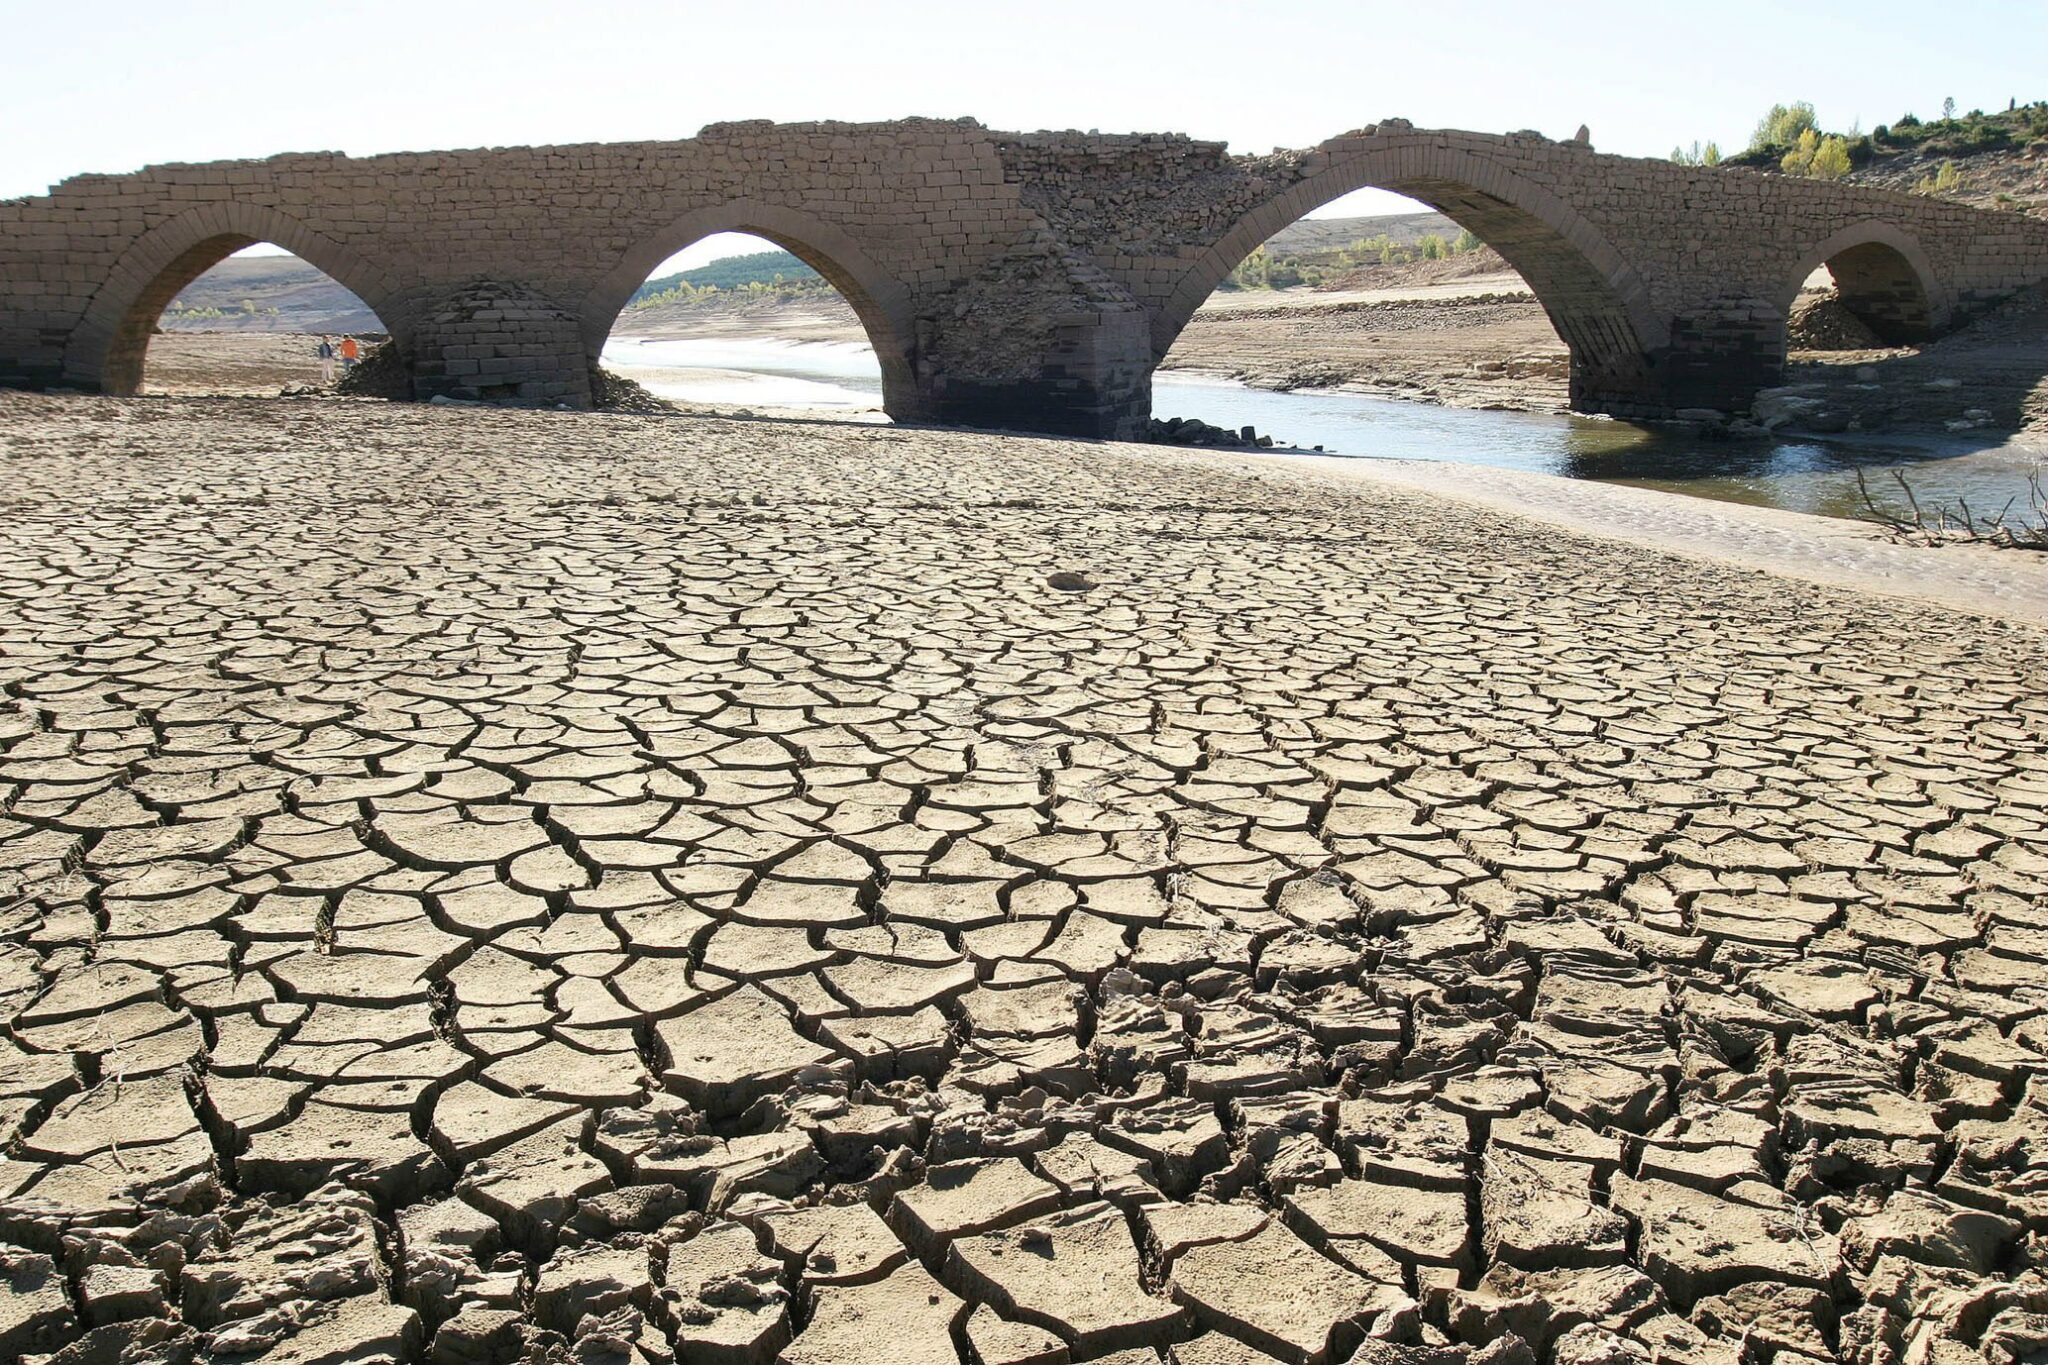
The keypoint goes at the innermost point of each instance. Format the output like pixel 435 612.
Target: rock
pixel 35 1312
pixel 965 1197
pixel 1539 1214
pixel 532 1186
pixel 724 1055
pixel 1931 1230
pixel 1075 1274
pixel 826 1244
pixel 321 1246
pixel 115 1293
pixel 1694 1243
pixel 478 1336
pixel 590 1281
pixel 904 1319
pixel 722 1300
pixel 1273 1292
pixel 997 1341
pixel 1425 1227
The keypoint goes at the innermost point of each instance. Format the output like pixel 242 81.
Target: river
pixel 1800 474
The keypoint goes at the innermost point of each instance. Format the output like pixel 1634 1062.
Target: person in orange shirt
pixel 351 352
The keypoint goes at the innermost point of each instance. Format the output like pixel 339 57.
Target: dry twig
pixel 2029 531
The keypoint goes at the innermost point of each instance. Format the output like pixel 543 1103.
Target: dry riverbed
pixel 490 885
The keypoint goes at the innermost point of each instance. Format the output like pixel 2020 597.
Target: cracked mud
pixel 485 887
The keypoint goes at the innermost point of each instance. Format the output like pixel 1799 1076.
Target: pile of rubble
pixel 611 392
pixel 1819 322
pixel 1192 431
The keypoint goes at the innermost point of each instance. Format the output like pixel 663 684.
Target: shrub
pixel 1817 157
pixel 1946 180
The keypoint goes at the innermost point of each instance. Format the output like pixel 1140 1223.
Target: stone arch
pixel 881 302
pixel 1885 280
pixel 1594 297
pixel 107 349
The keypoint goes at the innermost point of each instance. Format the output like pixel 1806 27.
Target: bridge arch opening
pixel 757 305
pixel 1881 279
pixel 251 321
pixel 189 266
pixel 1593 301
pixel 1381 292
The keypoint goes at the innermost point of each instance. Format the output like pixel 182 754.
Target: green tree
pixel 1783 126
pixel 1707 155
pixel 1831 161
pixel 1817 157
pixel 1465 242
pixel 1433 247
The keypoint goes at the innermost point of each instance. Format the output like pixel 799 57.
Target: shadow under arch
pixel 1595 299
pixel 881 303
pixel 1884 279
pixel 107 349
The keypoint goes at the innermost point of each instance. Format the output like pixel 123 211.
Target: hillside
pixel 767 268
pixel 268 294
pixel 1330 234
pixel 1993 161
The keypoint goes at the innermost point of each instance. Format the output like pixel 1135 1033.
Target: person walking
pixel 350 354
pixel 325 350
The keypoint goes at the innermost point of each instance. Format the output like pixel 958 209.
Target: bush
pixel 1946 180
pixel 1817 157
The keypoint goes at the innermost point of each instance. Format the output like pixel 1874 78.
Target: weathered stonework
pixel 1019 280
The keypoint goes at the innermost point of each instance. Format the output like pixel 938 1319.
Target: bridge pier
pixel 1083 374
pixel 1721 355
pixel 491 340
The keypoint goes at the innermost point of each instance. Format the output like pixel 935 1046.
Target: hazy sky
pixel 124 84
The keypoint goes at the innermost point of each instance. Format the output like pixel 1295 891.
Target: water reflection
pixel 1798 474
pixel 1795 473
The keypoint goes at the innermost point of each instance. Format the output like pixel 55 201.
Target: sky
pixel 218 79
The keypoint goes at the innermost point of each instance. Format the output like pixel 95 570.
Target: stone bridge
pixel 1030 281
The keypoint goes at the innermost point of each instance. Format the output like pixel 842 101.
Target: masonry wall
pixel 1008 279
pixel 1688 270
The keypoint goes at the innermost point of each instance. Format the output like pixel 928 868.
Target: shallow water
pixel 1796 473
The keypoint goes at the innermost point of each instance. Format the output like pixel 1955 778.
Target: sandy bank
pixel 2011 584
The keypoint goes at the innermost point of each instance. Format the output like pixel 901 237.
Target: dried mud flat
pixel 513 886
